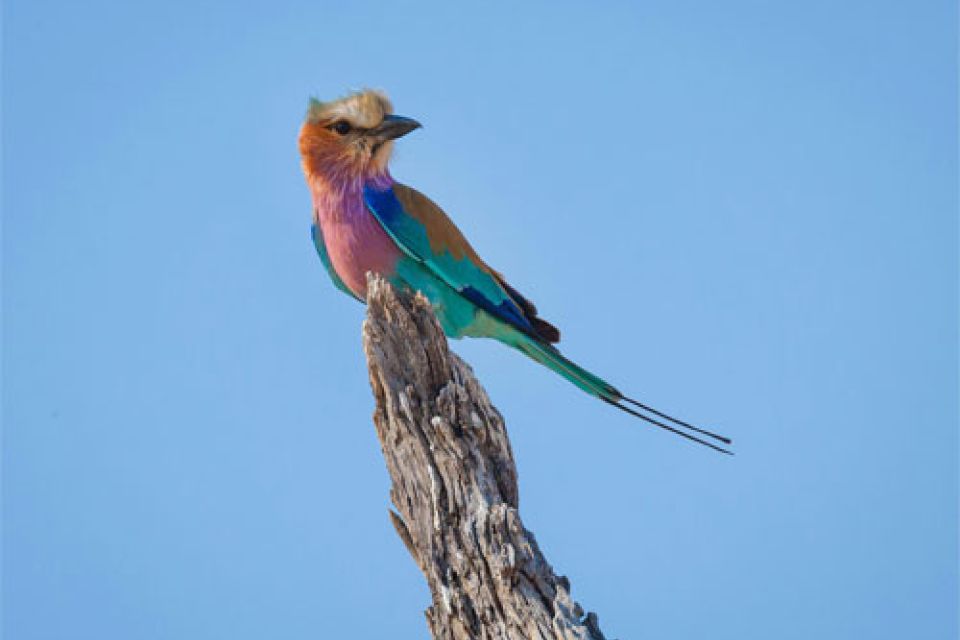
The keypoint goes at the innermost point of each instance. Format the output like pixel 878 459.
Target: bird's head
pixel 352 137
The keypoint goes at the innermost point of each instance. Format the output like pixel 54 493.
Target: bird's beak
pixel 393 127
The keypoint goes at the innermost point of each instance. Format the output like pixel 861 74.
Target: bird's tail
pixel 551 358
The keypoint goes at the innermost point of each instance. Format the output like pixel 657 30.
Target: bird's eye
pixel 342 127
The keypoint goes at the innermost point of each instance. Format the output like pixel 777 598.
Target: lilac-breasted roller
pixel 364 221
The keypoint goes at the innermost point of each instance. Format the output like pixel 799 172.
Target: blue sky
pixel 745 213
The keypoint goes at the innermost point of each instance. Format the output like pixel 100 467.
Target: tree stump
pixel 454 485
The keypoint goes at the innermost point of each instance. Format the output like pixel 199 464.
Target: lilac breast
pixel 356 243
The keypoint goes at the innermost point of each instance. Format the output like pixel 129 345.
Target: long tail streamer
pixel 596 386
pixel 675 430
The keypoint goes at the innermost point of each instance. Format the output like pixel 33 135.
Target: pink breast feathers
pixel 356 243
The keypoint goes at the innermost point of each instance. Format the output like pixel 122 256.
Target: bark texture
pixel 454 485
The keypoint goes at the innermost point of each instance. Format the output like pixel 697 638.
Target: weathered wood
pixel 455 485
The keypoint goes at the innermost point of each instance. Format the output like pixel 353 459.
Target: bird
pixel 365 221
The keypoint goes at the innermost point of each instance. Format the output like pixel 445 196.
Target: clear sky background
pixel 743 212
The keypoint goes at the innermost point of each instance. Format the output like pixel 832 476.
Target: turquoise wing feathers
pixel 425 234
pixel 317 234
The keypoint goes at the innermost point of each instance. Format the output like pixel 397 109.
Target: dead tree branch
pixel 454 485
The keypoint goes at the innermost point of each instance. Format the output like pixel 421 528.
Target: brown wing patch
pixel 445 236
